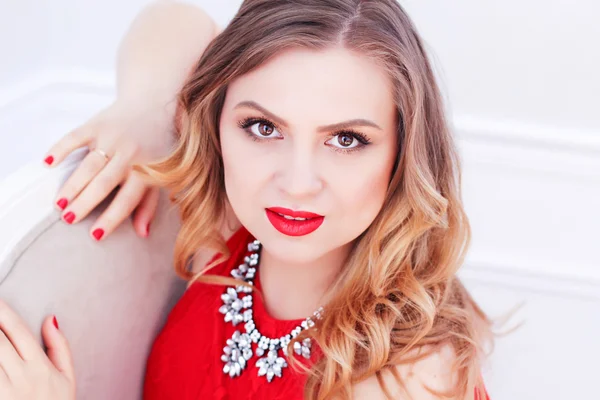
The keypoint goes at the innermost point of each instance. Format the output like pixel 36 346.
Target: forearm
pixel 159 50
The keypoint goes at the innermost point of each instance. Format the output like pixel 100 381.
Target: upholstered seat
pixel 110 297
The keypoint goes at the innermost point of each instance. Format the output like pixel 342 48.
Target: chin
pixel 293 250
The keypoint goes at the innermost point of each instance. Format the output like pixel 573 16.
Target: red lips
pixel 292 227
pixel 294 214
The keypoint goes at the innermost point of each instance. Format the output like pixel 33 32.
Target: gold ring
pixel 103 154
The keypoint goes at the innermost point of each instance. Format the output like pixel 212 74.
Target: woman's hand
pixel 26 372
pixel 127 135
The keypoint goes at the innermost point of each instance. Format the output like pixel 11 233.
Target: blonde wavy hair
pixel 399 291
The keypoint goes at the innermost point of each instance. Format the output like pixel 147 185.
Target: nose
pixel 299 176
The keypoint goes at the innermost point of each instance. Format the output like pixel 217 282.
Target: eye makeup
pixel 247 123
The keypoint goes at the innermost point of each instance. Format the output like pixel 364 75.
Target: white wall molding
pixel 60 83
pixel 576 141
pixel 522 278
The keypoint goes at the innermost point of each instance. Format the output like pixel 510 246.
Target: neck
pixel 296 290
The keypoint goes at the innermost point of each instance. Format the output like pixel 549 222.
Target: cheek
pixel 364 196
pixel 244 170
pixel 367 195
pixel 233 166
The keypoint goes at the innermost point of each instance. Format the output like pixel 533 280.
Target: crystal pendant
pixel 303 348
pixel 236 354
pixel 233 306
pixel 270 366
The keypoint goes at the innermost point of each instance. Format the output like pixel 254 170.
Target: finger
pixel 91 165
pixel 128 197
pixel 57 348
pixel 98 189
pixel 73 140
pixel 145 212
pixel 10 361
pixel 19 334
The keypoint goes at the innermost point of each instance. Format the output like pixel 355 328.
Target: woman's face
pixel 311 131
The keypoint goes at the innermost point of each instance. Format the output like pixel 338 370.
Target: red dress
pixel 185 360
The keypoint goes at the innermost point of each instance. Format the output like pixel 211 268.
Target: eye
pixel 347 141
pixel 259 128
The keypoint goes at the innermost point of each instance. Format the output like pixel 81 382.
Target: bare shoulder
pixel 433 371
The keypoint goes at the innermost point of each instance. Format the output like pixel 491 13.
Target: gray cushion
pixel 110 297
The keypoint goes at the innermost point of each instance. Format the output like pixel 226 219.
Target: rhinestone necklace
pixel 238 308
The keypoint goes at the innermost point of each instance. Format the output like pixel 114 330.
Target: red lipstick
pixel 293 227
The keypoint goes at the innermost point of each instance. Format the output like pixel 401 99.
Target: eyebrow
pixel 332 127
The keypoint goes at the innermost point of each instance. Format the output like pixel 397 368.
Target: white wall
pixel 523 86
pixel 522 82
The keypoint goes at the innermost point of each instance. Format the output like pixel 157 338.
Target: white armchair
pixel 110 297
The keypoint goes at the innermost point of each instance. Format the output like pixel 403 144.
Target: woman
pixel 313 155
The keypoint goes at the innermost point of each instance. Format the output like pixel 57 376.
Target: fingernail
pixel 98 233
pixel 55 322
pixel 147 229
pixel 69 217
pixel 49 160
pixel 62 203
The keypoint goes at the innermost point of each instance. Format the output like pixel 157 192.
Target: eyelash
pixel 362 138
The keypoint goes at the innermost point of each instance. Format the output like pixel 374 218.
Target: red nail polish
pixel 69 217
pixel 98 233
pixel 62 203
pixel 55 322
pixel 49 160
